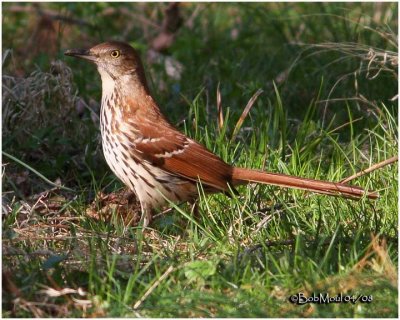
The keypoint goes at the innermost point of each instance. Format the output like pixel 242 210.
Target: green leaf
pixel 198 271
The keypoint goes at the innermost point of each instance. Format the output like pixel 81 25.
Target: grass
pixel 326 112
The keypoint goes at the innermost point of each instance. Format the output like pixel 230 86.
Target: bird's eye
pixel 115 53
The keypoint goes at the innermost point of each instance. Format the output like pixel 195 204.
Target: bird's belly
pixel 152 185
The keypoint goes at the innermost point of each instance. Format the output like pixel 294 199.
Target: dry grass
pixel 22 95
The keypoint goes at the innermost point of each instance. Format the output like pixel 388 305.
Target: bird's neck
pixel 127 95
pixel 128 85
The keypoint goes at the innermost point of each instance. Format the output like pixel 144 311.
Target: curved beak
pixel 81 53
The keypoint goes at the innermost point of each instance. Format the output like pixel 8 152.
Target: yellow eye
pixel 115 53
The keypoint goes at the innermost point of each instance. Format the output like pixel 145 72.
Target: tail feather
pixel 242 175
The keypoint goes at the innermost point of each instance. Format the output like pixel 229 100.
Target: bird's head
pixel 114 59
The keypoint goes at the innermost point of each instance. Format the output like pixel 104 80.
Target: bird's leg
pixel 147 215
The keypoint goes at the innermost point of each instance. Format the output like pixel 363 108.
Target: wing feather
pixel 164 146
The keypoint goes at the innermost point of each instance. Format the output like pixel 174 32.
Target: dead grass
pixel 22 95
pixel 44 127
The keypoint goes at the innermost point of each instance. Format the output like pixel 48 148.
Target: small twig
pixel 190 21
pixel 152 287
pixel 372 168
pixel 245 113
pixel 162 213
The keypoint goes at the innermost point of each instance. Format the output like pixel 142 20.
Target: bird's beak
pixel 81 53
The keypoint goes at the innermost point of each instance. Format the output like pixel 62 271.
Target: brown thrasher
pixel 153 158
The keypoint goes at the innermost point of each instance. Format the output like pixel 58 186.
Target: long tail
pixel 242 175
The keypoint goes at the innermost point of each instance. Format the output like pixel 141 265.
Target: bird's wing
pixel 165 147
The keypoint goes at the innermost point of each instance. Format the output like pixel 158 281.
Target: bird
pixel 153 158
